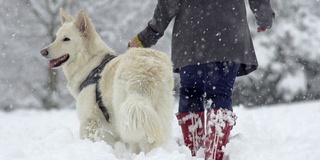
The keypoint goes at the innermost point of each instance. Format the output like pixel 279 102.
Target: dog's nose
pixel 44 52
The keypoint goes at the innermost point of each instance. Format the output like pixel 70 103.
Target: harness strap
pixel 94 78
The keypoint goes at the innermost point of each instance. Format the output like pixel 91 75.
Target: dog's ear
pixel 64 17
pixel 82 22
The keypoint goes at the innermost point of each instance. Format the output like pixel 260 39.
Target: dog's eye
pixel 66 39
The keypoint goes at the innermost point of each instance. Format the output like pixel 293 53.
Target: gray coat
pixel 208 31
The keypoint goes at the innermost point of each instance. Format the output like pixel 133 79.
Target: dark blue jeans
pixel 211 81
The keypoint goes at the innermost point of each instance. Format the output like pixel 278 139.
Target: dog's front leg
pixel 88 129
pixel 93 124
pixel 88 113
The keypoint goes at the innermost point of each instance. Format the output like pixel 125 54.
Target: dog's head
pixel 70 39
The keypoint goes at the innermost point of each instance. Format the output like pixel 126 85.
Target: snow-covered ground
pixel 284 132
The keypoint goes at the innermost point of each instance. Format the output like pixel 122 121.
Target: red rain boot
pixel 218 127
pixel 192 125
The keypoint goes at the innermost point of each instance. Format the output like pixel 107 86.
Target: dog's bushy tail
pixel 138 120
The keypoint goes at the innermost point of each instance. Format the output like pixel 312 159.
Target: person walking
pixel 211 46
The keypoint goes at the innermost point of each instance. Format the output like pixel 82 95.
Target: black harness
pixel 93 78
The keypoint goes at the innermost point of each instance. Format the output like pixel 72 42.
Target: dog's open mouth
pixel 59 61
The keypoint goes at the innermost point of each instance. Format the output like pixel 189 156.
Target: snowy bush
pixel 288 57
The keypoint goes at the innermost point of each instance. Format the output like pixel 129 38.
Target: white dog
pixel 127 97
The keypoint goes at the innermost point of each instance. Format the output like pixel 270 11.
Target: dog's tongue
pixel 53 63
pixel 57 62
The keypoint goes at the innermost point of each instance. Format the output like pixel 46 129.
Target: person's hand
pixel 264 15
pixel 260 29
pixel 135 42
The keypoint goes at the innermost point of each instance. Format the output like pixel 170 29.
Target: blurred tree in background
pixel 46 15
pixel 29 25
